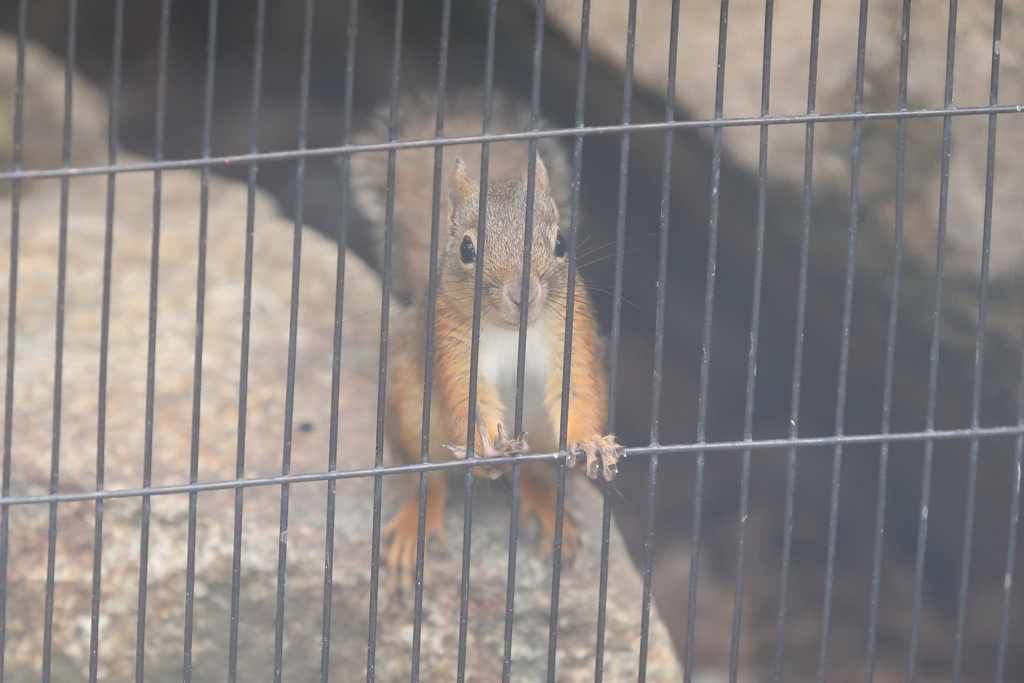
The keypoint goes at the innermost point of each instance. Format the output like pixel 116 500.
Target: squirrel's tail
pixel 414 173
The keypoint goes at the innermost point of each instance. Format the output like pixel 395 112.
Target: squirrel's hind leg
pixel 401 533
pixel 538 496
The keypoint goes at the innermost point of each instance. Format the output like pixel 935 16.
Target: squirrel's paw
pixel 481 429
pixel 602 455
pixel 502 445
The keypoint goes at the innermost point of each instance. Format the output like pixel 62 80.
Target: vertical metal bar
pixel 798 346
pixel 428 355
pixel 339 310
pixel 154 280
pixel 979 346
pixel 243 373
pixel 1011 541
pixel 659 341
pixel 12 306
pixel 389 230
pixel 883 461
pixel 570 309
pixel 538 44
pixel 666 197
pixel 933 361
pixel 197 370
pixel 293 331
pixel 705 366
pixel 613 361
pixel 620 227
pixel 524 314
pixel 844 353
pixel 12 309
pixel 755 321
pixel 58 361
pixel 101 413
pixel 474 354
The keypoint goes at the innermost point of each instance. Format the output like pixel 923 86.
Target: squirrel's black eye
pixel 467 251
pixel 559 246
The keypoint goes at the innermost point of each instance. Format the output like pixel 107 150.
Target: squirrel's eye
pixel 467 251
pixel 559 246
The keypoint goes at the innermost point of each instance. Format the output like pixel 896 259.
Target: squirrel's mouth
pixel 513 305
pixel 509 318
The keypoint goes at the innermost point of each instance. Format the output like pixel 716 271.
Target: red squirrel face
pixel 503 253
pixel 502 291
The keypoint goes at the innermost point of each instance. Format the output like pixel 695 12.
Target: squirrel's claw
pixel 502 445
pixel 457 452
pixel 507 445
pixel 501 442
pixel 602 455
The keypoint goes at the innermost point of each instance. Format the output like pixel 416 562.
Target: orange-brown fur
pixel 502 256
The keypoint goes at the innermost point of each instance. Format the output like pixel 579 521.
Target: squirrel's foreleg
pixel 588 399
pixel 452 373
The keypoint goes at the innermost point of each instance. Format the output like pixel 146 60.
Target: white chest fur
pixel 499 355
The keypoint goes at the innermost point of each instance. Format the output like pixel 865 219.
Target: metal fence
pixel 650 454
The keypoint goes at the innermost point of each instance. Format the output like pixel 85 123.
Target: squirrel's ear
pixel 460 186
pixel 541 178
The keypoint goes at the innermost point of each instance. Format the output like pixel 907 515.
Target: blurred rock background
pixel 734 285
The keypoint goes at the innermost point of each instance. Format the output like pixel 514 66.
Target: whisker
pixel 613 244
pixel 608 256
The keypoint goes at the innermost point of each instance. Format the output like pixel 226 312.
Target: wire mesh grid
pixel 748 446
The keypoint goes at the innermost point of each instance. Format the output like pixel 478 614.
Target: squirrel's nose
pixel 515 294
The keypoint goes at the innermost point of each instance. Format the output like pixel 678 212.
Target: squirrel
pixel 499 320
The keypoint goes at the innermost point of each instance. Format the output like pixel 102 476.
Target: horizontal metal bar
pixel 856 439
pixel 291 155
